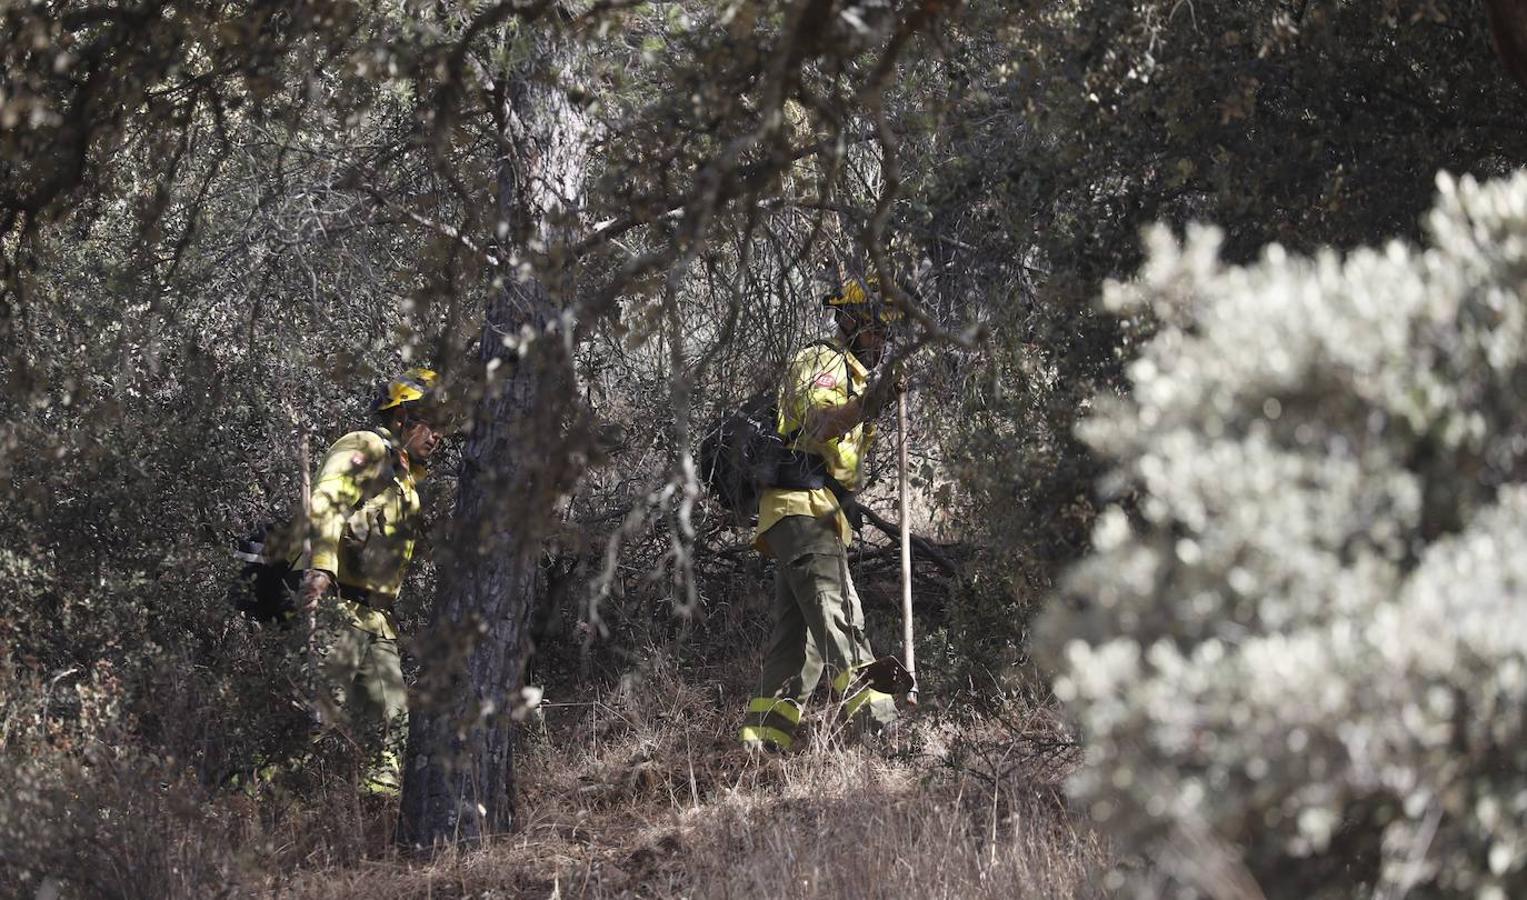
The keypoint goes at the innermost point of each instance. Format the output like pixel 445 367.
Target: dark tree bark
pixel 1508 28
pixel 518 460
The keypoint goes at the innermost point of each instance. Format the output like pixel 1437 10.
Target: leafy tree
pixel 1290 649
pixel 1056 132
pixel 460 787
pixel 220 223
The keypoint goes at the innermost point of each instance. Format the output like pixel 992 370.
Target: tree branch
pixel 919 544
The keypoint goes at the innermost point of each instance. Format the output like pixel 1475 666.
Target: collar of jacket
pixel 855 367
pixel 399 455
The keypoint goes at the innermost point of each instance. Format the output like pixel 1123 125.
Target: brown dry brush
pixel 639 792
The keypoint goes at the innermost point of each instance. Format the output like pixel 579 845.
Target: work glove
pixel 879 395
pixel 883 391
pixel 853 512
pixel 315 584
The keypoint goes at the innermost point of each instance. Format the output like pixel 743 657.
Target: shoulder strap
pixel 387 475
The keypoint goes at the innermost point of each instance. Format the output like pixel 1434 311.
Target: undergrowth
pixel 638 790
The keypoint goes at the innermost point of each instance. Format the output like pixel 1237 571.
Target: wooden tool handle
pixel 906 549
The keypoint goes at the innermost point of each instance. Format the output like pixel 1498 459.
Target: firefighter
pixel 362 525
pixel 826 408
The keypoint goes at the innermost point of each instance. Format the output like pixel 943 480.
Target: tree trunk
pixel 459 780
pixel 1508 28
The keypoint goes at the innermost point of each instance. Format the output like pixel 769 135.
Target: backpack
pixel 743 453
pixel 265 589
pixel 740 455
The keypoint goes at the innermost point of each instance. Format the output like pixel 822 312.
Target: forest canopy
pixel 1211 347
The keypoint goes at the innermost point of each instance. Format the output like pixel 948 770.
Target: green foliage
pixel 221 224
pixel 1053 133
pixel 1293 650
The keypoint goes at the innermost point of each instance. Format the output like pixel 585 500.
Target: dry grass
pixel 643 794
pixel 639 792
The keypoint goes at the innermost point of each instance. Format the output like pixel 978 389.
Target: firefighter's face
pixel 864 335
pixel 420 439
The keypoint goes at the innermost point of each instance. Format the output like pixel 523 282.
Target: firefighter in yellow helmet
pixel 826 408
pixel 361 527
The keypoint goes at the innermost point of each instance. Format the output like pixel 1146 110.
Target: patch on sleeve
pixel 826 380
pixel 357 460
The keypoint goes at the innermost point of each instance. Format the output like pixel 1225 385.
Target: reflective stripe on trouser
pixel 818 623
pixel 771 721
pixel 874 702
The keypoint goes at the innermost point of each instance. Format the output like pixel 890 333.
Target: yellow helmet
pixel 864 298
pixel 410 387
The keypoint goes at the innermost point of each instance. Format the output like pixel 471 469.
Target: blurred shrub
pixel 1296 648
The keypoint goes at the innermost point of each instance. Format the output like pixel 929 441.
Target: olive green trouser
pixel 818 628
pixel 365 677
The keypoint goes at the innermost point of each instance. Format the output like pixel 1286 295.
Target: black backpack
pixel 740 455
pixel 743 454
pixel 265 589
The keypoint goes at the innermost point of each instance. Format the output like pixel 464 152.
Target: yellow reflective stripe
pixel 784 708
pixel 856 702
pixel 840 683
pixel 765 734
